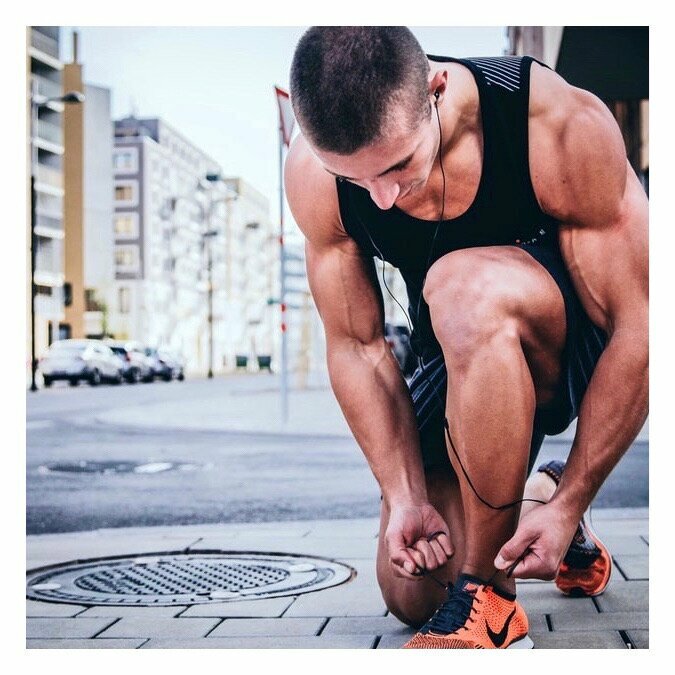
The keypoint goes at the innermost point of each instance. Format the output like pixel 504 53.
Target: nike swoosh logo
pixel 499 638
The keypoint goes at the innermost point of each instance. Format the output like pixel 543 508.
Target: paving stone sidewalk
pixel 352 615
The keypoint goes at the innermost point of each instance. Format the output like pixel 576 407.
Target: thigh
pixel 474 292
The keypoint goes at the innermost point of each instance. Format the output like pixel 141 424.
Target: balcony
pixel 48 176
pixel 48 260
pixel 53 133
pixel 48 88
pixel 44 43
pixel 50 307
pixel 48 224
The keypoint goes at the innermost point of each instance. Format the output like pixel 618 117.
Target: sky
pixel 216 85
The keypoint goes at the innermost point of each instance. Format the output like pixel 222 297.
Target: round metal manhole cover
pixel 180 579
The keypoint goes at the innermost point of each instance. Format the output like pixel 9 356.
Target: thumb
pixel 513 549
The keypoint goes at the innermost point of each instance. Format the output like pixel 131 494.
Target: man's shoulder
pixel 572 133
pixel 311 193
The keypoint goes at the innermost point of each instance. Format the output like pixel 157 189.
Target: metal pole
pixel 210 270
pixel 282 266
pixel 33 242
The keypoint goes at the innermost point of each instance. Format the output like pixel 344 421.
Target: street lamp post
pixel 36 102
pixel 209 269
pixel 213 178
pixel 208 232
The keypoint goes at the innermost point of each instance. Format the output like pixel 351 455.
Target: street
pixel 86 473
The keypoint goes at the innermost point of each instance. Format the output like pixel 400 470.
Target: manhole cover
pixel 109 467
pixel 178 579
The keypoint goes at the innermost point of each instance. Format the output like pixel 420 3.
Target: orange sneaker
pixel 587 565
pixel 475 616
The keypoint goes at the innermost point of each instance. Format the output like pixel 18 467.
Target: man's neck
pixel 460 114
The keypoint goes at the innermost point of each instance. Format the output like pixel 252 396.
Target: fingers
pixel 440 554
pixel 434 550
pixel 513 549
pixel 428 550
pixel 407 563
pixel 531 566
pixel 413 562
pixel 443 540
pixel 524 556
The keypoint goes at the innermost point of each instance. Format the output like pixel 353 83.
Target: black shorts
pixel 583 346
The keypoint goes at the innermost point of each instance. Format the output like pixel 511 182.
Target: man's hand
pixel 539 544
pixel 417 540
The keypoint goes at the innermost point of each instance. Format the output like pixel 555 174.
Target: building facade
pixel 88 214
pixel 246 277
pixel 99 242
pixel 180 230
pixel 45 162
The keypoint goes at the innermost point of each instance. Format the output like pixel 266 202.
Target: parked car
pixel 398 338
pixel 165 364
pixel 175 362
pixel 137 366
pixel 77 360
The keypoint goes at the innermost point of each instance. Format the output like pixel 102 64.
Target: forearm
pixel 374 399
pixel 612 413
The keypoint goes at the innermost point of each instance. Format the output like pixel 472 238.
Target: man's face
pixel 392 169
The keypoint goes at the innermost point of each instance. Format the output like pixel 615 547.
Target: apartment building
pixel 159 218
pixel 88 213
pixel 99 242
pixel 178 229
pixel 246 279
pixel 45 160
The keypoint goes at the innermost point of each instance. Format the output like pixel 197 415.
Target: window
pixel 125 160
pixel 126 193
pixel 123 193
pixel 126 225
pixel 126 258
pixel 124 300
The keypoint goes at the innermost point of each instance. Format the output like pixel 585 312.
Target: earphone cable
pixel 446 425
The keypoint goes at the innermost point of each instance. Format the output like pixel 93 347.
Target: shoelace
pixel 452 614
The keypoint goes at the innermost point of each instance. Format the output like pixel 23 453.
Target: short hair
pixel 345 80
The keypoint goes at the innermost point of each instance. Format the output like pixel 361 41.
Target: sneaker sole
pixel 578 592
pixel 524 642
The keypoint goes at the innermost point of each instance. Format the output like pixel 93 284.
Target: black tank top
pixel 505 210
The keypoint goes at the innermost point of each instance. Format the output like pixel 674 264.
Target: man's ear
pixel 438 84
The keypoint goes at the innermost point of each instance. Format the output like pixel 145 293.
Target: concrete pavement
pixel 229 406
pixel 352 615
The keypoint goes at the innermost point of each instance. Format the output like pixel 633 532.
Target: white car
pixel 76 360
pixel 136 366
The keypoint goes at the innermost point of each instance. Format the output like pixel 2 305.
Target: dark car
pixel 80 360
pixel 165 364
pixel 398 337
pixel 136 365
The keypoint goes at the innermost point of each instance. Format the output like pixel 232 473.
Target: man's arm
pixel 604 240
pixel 364 374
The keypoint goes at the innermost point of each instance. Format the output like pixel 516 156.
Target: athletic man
pixel 504 197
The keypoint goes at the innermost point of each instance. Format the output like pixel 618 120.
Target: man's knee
pixel 471 303
pixel 412 602
pixel 410 605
